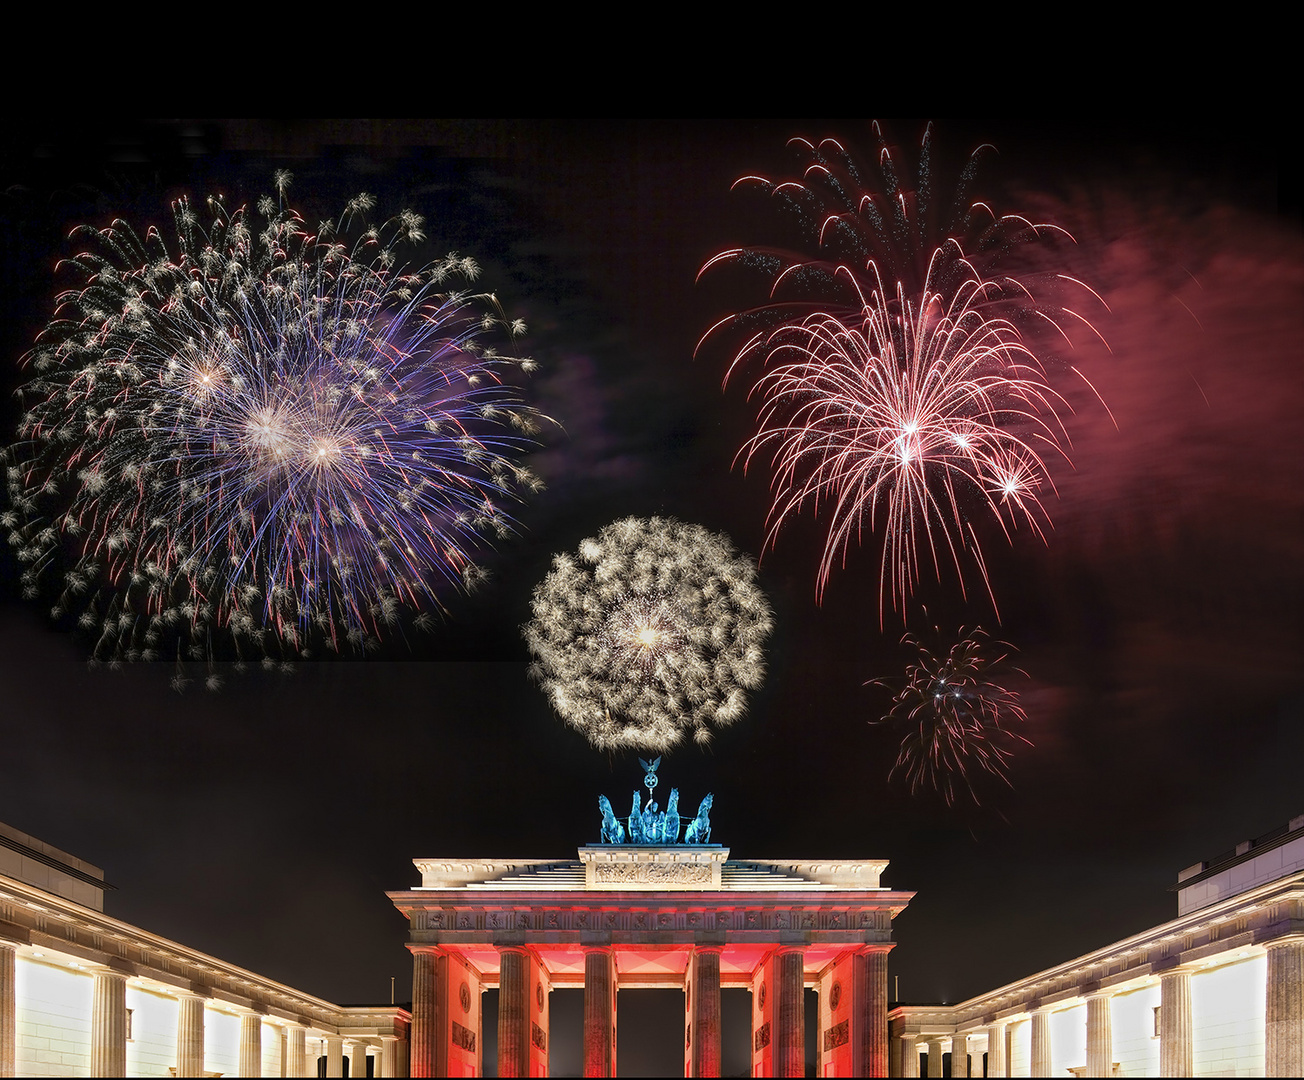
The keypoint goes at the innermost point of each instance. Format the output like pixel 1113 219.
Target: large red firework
pixel 915 417
pixel 895 370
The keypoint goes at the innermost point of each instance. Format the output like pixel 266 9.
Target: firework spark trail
pixel 279 436
pixel 651 632
pixel 867 225
pixel 921 400
pixel 917 418
pixel 958 719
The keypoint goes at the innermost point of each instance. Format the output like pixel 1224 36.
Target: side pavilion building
pixel 634 916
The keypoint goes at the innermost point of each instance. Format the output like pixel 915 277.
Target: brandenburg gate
pixel 653 913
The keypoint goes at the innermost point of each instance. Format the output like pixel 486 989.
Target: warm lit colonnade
pixel 1218 991
pixel 639 918
pixel 85 994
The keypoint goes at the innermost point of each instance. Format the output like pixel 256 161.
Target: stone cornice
pixel 456 873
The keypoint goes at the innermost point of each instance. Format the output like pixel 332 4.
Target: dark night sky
pixel 1160 625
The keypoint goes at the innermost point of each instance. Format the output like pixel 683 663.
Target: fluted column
pixel 789 1014
pixel 935 1053
pixel 334 1055
pixel 599 1012
pixel 1041 1042
pixel 909 1055
pixel 1100 1036
pixel 357 1052
pixel 513 1011
pixel 995 1050
pixel 1284 1031
pixel 960 1056
pixel 109 1024
pixel 873 1010
pixel 1176 1050
pixel 296 1052
pixel 704 1012
pixel 190 1035
pixel 424 1020
pixel 251 1044
pixel 388 1060
pixel 8 1008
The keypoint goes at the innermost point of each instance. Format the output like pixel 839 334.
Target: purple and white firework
pixel 281 437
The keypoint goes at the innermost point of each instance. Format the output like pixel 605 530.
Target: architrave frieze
pixel 635 917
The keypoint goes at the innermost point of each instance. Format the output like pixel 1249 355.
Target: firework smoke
pixel 652 631
pixel 269 436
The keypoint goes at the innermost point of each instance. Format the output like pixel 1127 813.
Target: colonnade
pixel 1283 1035
pixel 445 1022
pixel 109 1034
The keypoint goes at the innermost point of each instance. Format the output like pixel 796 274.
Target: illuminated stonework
pixel 1218 991
pixel 85 994
pixel 682 917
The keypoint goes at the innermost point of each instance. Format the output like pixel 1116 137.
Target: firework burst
pixel 651 632
pixel 887 222
pixel 897 385
pixel 957 720
pixel 274 436
pixel 911 421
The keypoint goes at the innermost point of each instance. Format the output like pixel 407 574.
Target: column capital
pixel 1172 966
pixel 433 950
pixel 1293 937
pixel 876 947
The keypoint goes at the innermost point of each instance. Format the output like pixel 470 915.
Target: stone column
pixel 251 1044
pixel 1041 1042
pixel 873 1010
pixel 357 1054
pixel 959 1056
pixel 1284 1032
pixel 334 1055
pixel 935 1053
pixel 109 1024
pixel 190 1035
pixel 296 1052
pixel 599 1012
pixel 425 1020
pixel 388 1062
pixel 513 1011
pixel 704 1012
pixel 1100 1038
pixel 8 1008
pixel 789 1013
pixel 909 1055
pixel 995 1050
pixel 1176 1051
